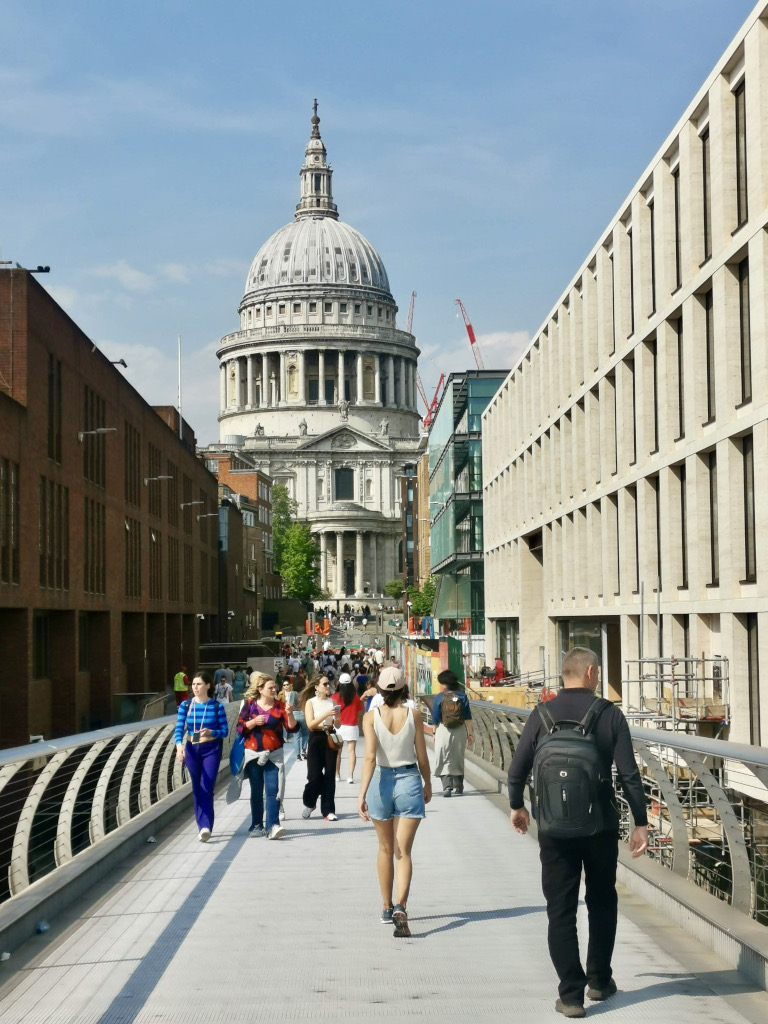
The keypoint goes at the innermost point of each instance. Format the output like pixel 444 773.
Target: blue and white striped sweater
pixel 193 717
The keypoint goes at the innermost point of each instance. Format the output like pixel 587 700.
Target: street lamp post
pixel 99 430
pixel 186 504
pixel 148 479
pixel 207 515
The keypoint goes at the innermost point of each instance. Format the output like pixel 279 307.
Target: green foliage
pixel 394 589
pixel 423 600
pixel 300 559
pixel 284 509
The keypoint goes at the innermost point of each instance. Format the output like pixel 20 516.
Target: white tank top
pixel 395 750
pixel 322 707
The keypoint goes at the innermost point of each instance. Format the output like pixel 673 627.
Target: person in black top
pixel 562 859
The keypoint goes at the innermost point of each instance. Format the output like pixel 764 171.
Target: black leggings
pixel 321 774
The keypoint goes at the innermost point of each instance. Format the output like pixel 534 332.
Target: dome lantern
pixel 316 173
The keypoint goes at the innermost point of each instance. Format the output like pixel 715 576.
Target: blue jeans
pixel 302 736
pixel 261 778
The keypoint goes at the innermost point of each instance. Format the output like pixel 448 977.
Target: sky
pixel 149 148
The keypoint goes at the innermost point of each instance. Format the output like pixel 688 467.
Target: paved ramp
pixel 250 930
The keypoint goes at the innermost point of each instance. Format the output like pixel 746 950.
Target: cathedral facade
pixel 318 386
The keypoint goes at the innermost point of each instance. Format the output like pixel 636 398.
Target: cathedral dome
pixel 317 251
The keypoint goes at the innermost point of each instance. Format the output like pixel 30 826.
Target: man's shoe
pixel 256 832
pixel 331 817
pixel 570 1009
pixel 276 832
pixel 205 835
pixel 598 994
pixel 307 811
pixel 447 792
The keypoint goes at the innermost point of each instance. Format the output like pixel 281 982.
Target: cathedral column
pixel 281 396
pixel 340 563
pixel 359 395
pixel 323 561
pixel 341 378
pixel 401 388
pixel 249 382
pixel 411 385
pixel 414 391
pixel 391 382
pixel 264 380
pixel 222 388
pixel 321 377
pixel 377 379
pixel 303 377
pixel 359 557
pixel 374 565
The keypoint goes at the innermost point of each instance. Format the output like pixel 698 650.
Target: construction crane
pixel 431 407
pixel 472 339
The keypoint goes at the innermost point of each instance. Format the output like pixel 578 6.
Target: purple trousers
pixel 202 761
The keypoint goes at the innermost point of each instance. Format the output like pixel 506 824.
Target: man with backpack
pixel 452 719
pixel 569 744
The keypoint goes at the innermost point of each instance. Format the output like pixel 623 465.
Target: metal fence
pixel 707 803
pixel 61 797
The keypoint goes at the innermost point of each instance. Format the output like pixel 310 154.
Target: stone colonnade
pixel 264 380
pixel 375 560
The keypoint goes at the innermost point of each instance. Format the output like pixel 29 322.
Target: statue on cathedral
pixel 384 426
pixel 303 428
pixel 344 409
pixel 258 430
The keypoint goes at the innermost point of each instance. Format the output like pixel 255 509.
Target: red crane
pixel 431 407
pixel 472 339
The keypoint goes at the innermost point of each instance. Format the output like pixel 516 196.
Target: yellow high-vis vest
pixel 179 681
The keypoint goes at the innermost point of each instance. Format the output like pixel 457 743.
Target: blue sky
pixel 147 149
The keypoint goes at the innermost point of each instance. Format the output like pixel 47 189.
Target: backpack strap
pixel 547 719
pixel 594 711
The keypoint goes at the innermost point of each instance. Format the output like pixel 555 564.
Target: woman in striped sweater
pixel 204 721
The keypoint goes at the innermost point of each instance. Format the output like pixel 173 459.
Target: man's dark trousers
pixel 561 864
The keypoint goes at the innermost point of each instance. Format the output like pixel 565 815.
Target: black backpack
pixel 568 776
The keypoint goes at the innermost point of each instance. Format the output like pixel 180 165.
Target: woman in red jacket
pixel 351 714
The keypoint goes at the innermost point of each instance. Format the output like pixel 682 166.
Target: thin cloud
pixel 175 272
pixel 129 277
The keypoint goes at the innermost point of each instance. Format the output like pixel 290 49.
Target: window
pixel 327 307
pixel 53 535
pixel 706 194
pixel 269 311
pixel 154 486
pixel 342 307
pixel 173 494
pixel 680 380
pixel 651 346
pixel 258 312
pixel 632 503
pixel 678 241
pixel 344 481
pixel 652 244
pixel 709 338
pixel 187 499
pixel 281 308
pixel 317 183
pixel 41 646
pixel 379 312
pixel 357 308
pixel 83 651
pixel 683 527
pixel 94 415
pixel 313 307
pixel 741 155
pixel 745 341
pixel 94 547
pixel 370 310
pixel 748 458
pixel 656 489
pixel 9 521
pixel 189 595
pixel 132 558
pixel 173 569
pixel 630 364
pixel 753 678
pixel 132 465
pixel 714 540
pixel 204 578
pixel 54 408
pixel 297 307
pixel 613 304
pixel 155 564
pixel 631 282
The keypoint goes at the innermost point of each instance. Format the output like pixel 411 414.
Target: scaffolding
pixel 678 693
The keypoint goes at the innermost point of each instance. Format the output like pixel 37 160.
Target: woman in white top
pixel 391 792
pixel 321 715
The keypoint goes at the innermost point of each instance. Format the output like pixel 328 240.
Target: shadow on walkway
pixel 719 982
pixel 460 918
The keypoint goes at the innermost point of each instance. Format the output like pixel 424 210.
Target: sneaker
pixel 350 780
pixel 276 832
pixel 598 994
pixel 281 813
pixel 307 811
pixel 205 835
pixel 256 832
pixel 400 921
pixel 386 915
pixel 447 792
pixel 338 778
pixel 331 817
pixel 570 1009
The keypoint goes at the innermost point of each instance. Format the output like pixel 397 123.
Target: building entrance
pixel 349 577
pixel 602 636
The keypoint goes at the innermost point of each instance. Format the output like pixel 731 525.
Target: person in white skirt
pixel 351 715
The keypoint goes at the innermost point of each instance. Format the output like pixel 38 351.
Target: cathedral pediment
pixel 346 438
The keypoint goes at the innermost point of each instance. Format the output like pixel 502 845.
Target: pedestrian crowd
pixel 325 698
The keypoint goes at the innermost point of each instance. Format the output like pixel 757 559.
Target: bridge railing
pixel 61 797
pixel 707 802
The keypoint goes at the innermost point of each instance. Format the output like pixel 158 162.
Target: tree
pixel 423 600
pixel 300 563
pixel 394 589
pixel 284 510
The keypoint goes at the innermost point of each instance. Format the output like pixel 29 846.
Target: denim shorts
pixel 396 793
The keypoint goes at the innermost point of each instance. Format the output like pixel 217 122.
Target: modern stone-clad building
pixel 108 529
pixel 318 386
pixel 623 455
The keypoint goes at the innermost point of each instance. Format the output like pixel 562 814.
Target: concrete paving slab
pixel 243 929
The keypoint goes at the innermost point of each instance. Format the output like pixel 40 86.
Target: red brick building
pixel 108 539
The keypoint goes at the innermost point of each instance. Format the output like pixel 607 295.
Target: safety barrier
pixel 62 797
pixel 707 799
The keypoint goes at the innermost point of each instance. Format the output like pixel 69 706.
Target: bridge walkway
pixel 246 929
